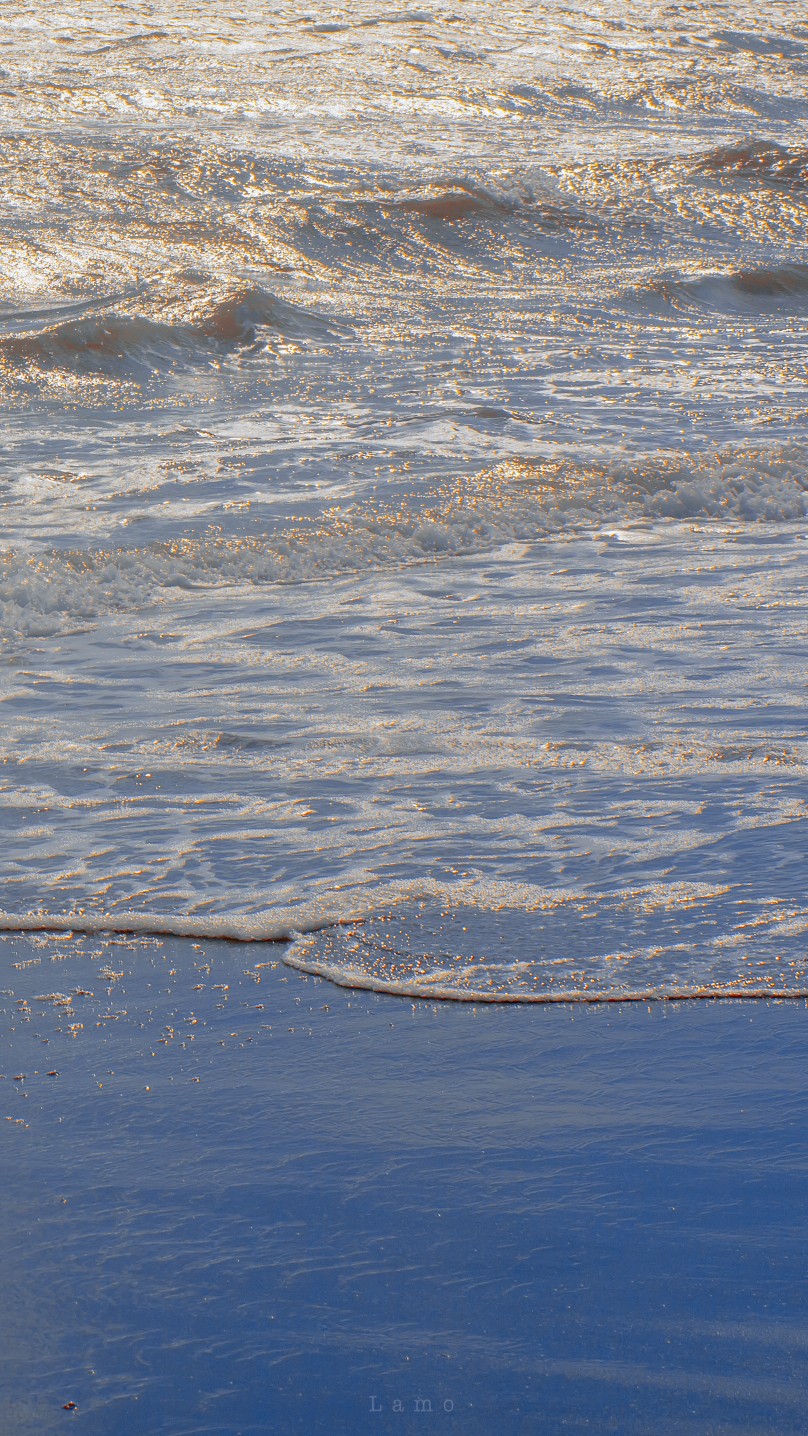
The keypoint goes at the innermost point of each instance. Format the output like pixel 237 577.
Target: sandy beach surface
pixel 236 1199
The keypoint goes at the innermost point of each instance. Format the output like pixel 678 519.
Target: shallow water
pixel 404 483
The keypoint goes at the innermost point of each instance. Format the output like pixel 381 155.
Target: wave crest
pixel 139 344
pixel 767 287
pixel 757 159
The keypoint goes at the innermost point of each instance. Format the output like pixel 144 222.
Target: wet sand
pixel 237 1199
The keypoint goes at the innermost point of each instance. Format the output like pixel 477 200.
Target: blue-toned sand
pixel 240 1200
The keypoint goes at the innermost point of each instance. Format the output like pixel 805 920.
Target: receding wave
pixel 665 942
pixel 766 288
pixel 498 942
pixel 517 500
pixel 136 344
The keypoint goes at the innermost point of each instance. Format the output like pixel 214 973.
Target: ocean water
pixel 405 488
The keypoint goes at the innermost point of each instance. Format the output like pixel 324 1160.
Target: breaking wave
pixel 517 500
pixel 757 159
pixel 440 221
pixel 137 344
pixel 767 288
pixel 461 200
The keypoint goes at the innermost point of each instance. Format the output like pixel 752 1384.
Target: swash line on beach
pixel 141 925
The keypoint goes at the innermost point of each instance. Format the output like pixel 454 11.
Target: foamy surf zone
pixel 515 500
pixel 441 751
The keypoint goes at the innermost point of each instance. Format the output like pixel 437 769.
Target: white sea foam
pixel 657 944
pixel 239 927
pixel 516 500
pixel 494 941
pixel 347 907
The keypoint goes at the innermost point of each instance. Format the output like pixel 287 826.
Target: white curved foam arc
pixel 428 991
